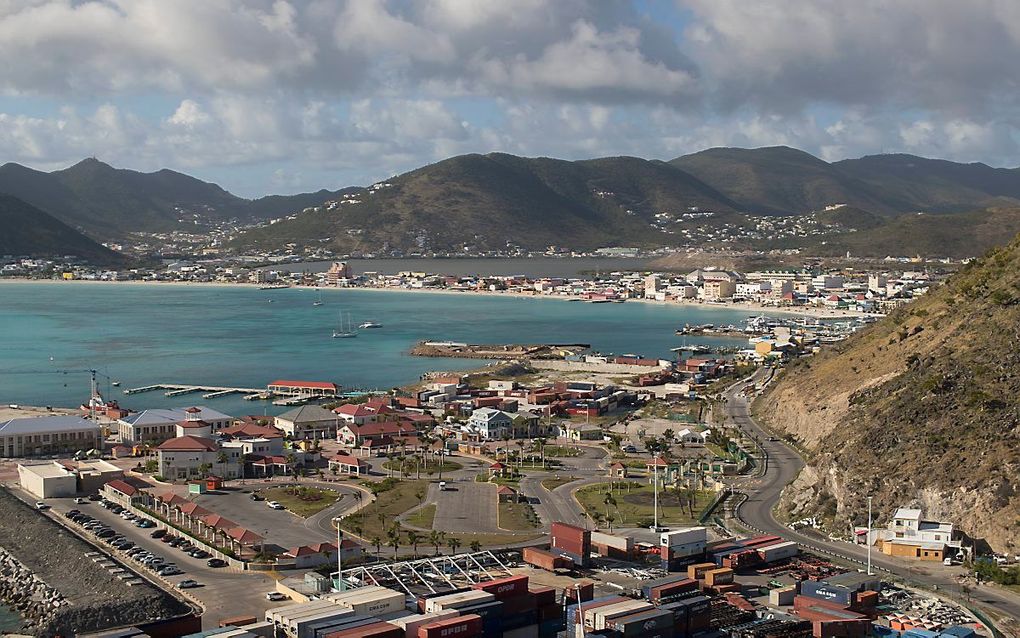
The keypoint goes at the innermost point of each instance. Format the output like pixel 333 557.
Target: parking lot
pixel 465 506
pixel 224 592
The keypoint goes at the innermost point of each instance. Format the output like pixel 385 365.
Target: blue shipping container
pixel 520 619
pixel 827 591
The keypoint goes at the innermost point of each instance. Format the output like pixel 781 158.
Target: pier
pixel 178 389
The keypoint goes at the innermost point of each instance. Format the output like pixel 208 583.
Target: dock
pixel 178 389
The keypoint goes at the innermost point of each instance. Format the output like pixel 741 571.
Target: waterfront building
pixel 157 425
pixel 186 457
pixel 308 422
pixel 34 436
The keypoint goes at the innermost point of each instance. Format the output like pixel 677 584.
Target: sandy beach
pixel 799 311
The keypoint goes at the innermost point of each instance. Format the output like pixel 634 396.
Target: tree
pixel 442 451
pixel 378 544
pixel 420 495
pixel 454 544
pixel 540 444
pixel 435 539
pixel 609 501
pixel 475 546
pixel 520 453
pixel 413 538
pixel 222 459
pixel 394 539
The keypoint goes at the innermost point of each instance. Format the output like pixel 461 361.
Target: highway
pixel 783 464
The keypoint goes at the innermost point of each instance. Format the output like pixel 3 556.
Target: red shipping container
pixel 504 587
pixel 543 595
pixel 672 589
pixel 808 601
pixel 840 628
pixel 375 630
pixel 729 587
pixel 586 592
pixel 571 532
pixel 518 604
pixel 549 612
pixel 465 626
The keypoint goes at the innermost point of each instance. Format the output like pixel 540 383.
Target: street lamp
pixel 339 551
pixel 868 537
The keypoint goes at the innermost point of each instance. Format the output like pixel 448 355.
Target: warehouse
pixel 35 436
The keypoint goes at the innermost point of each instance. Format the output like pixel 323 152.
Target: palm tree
pixel 420 495
pixel 520 453
pixel 475 546
pixel 454 544
pixel 540 444
pixel 442 450
pixel 506 447
pixel 436 539
pixel 609 501
pixel 378 544
pixel 221 458
pixel 394 540
pixel 413 538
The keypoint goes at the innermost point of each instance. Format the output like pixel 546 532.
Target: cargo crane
pixel 95 397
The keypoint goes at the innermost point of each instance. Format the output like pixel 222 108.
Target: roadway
pixel 782 465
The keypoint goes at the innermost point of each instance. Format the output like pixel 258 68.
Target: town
pixel 567 496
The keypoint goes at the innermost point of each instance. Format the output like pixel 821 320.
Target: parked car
pixel 216 562
pixel 72 513
pixel 170 571
pixel 144 523
pixel 273 505
pixel 94 497
pixel 159 533
pixel 189 584
pixel 39 505
pixel 275 596
pixel 256 497
pixel 80 501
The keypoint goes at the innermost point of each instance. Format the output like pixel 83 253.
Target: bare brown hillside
pixel 920 408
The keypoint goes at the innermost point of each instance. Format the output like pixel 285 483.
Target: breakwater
pixel 26 594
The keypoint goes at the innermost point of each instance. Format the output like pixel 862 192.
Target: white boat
pixel 345 332
pixel 370 324
pixel 318 302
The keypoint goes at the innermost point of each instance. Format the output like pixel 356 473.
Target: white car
pixel 39 505
pixel 275 596
pixel 80 501
pixel 273 505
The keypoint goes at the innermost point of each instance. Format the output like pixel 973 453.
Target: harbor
pixel 282 393
pixel 504 351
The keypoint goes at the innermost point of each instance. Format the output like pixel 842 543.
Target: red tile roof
pixel 188 443
pixel 194 510
pixel 252 430
pixel 355 409
pixel 244 536
pixel 122 487
pixel 217 521
pixel 193 424
pixel 347 459
pixel 321 385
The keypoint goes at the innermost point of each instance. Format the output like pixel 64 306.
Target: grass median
pixel 303 501
pixel 634 503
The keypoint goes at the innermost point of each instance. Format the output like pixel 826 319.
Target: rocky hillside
pixel 921 408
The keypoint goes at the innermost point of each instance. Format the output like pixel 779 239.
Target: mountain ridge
pixel 32 232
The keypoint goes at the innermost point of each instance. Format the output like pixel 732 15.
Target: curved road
pixel 782 465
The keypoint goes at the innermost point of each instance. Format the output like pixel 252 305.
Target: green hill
pixel 921 408
pixel 488 201
pixel 31 232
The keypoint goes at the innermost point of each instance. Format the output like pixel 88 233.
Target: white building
pixel 32 436
pixel 48 480
pixel 490 423
pixel 158 425
pixel 308 422
pixel 186 457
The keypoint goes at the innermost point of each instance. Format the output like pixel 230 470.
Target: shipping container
pixel 666 593
pixel 721 576
pixel 545 560
pixel 563 531
pixel 424 597
pixel 350 630
pixel 543 595
pixel 458 600
pixel 412 622
pixel 376 603
pixel 648 586
pixel 759 541
pixel 502 588
pixel 466 626
pixel 841 629
pixel 238 621
pixel 519 604
pixel 578 611
pixel 826 591
pixel 550 612
pixel 683 537
pixel 343 626
pixel 580 592
pixel 623 545
pixel 777 552
pixel 378 630
pixel 597 618
pixel 521 619
pixel 642 623
pixel 488 611
pixel 817 609
pixel 697 571
pixel 531 631
pixel 783 596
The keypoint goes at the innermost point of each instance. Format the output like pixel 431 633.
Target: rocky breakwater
pixel 25 593
pixel 47 579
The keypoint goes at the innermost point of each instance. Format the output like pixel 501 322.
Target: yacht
pixel 369 324
pixel 345 332
pixel 318 301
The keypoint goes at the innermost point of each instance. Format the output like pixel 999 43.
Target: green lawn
pixel 552 483
pixel 560 451
pixel 424 517
pixel 303 501
pixel 517 517
pixel 409 465
pixel 634 503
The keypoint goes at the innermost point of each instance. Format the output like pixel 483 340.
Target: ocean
pixel 9 621
pixel 50 333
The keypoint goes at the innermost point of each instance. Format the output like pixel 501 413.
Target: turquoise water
pixel 230 336
pixel 8 620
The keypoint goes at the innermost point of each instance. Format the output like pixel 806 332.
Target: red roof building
pixel 188 443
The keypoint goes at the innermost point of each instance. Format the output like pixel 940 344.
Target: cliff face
pixel 920 408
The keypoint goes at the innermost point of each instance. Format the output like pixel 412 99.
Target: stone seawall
pixel 50 582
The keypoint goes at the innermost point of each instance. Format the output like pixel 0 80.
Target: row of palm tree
pixel 414 539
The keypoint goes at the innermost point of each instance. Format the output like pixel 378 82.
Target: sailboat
pixel 345 333
pixel 318 302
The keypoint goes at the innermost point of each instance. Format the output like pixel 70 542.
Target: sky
pixel 284 96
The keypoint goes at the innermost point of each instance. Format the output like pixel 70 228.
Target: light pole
pixel 655 505
pixel 339 553
pixel 867 538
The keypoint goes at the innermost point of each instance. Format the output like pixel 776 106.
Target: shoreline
pixel 803 311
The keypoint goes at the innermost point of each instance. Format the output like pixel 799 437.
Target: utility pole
pixel 655 505
pixel 868 537
pixel 339 553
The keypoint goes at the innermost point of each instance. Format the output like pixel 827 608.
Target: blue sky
pixel 281 96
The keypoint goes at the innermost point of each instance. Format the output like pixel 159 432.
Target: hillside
pixel 487 201
pixel 29 231
pixel 778 180
pixel 920 408
pixel 955 235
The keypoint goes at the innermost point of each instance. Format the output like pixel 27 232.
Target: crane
pixel 94 393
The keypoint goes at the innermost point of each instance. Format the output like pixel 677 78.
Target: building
pixel 157 425
pixel 308 422
pixel 339 272
pixel 317 554
pixel 33 436
pixel 909 535
pixel 717 289
pixel 187 457
pixel 355 436
pixel 348 464
pixel 304 388
pixel 48 480
pixel 490 423
pixel 123 493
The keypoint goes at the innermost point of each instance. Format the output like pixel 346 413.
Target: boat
pixel 370 324
pixel 342 332
pixel 318 302
pixel 115 384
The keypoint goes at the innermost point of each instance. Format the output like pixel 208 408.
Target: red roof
pixel 505 489
pixel 657 461
pixel 347 459
pixel 188 443
pixel 192 410
pixel 122 487
pixel 321 385
pixel 193 424
pixel 215 520
pixel 355 409
pixel 270 460
pixel 382 427
pixel 244 536
pixel 252 430
pixel 497 466
pixel 194 510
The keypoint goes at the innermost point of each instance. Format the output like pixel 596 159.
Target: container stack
pixel 546 560
pixel 571 541
pixel 680 547
pixel 620 617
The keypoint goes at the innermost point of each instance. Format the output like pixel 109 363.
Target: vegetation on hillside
pixel 29 231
